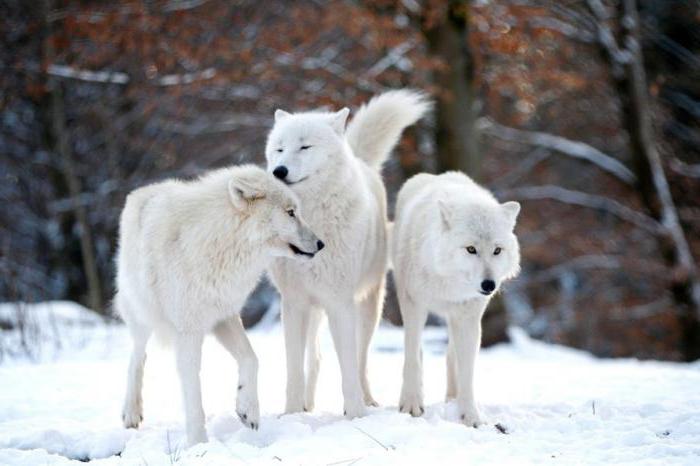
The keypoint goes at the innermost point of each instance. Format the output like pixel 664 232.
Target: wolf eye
pixel 279 150
pixel 471 249
pixel 290 212
pixel 497 251
pixel 305 147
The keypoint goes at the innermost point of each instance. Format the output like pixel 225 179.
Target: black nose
pixel 280 172
pixel 488 285
pixel 320 245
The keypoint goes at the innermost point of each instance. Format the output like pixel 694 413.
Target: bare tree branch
pixel 537 155
pixel 117 77
pixel 179 5
pixel 685 169
pixel 591 261
pixel 592 201
pixel 619 57
pixel 560 144
pixel 111 77
pixel 390 59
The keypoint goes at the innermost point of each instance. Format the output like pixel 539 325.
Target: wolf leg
pixel 294 315
pixel 451 392
pixel 132 412
pixel 232 336
pixel 370 312
pixel 313 357
pixel 188 354
pixel 414 318
pixel 342 321
pixel 466 333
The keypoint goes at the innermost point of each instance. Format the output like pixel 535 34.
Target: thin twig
pixel 377 441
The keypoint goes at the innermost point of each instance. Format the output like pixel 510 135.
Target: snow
pixel 557 405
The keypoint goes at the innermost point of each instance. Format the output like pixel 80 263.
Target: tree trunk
pixel 447 33
pixel 631 83
pixel 60 145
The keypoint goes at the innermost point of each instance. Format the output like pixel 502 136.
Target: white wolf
pixel 189 255
pixel 335 173
pixel 452 247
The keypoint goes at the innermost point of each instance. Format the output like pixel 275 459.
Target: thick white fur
pixel 344 200
pixel 437 219
pixel 189 255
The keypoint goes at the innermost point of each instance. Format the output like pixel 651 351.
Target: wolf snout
pixel 301 252
pixel 487 286
pixel 280 172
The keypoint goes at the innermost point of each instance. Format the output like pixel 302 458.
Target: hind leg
pixel 132 411
pixel 370 312
pixel 313 357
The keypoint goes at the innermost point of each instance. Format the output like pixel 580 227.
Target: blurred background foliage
pixel 586 111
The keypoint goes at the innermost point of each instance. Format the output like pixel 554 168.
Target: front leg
pixel 188 353
pixel 414 317
pixel 342 322
pixel 294 310
pixel 232 336
pixel 465 332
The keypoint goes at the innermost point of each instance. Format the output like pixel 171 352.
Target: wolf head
pixel 301 145
pixel 256 194
pixel 477 244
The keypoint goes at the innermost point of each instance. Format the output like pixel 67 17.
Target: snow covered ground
pixel 557 405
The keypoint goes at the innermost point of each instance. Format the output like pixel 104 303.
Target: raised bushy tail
pixel 377 125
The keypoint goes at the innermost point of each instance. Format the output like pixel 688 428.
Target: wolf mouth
pixel 289 183
pixel 298 251
pixel 486 293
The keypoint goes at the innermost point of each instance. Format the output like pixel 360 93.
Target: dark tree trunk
pixel 447 34
pixel 59 144
pixel 629 76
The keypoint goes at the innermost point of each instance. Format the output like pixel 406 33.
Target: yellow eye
pixel 290 212
pixel 471 249
pixel 497 251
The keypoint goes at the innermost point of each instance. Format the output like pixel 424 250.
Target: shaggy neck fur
pixel 229 231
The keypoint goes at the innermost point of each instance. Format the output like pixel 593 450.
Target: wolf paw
pixel 371 402
pixel 132 417
pixel 196 436
pixel 471 417
pixel 247 408
pixel 353 410
pixel 411 402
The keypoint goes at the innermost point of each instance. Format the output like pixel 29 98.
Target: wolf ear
pixel 338 120
pixel 243 192
pixel 445 214
pixel 512 209
pixel 281 114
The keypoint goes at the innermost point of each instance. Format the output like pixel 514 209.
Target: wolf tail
pixel 377 125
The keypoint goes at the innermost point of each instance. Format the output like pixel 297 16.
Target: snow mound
pixel 543 403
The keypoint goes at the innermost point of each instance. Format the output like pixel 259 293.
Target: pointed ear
pixel 446 214
pixel 338 120
pixel 512 209
pixel 243 192
pixel 281 114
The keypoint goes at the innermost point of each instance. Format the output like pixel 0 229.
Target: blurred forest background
pixel 586 111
